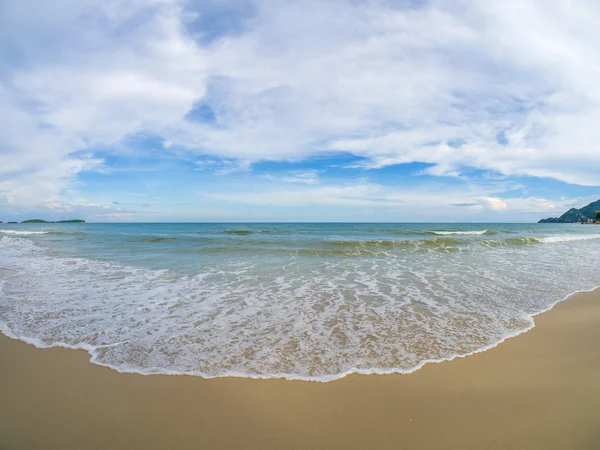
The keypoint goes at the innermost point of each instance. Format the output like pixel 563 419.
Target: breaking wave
pixel 464 233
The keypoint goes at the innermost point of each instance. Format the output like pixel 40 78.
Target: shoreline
pixel 4 272
pixel 538 391
pixel 485 341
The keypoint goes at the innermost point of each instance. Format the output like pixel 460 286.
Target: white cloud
pixel 396 85
pixel 86 74
pixel 300 176
pixel 509 87
pixel 407 200
pixel 495 203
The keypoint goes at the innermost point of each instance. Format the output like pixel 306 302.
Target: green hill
pixel 575 215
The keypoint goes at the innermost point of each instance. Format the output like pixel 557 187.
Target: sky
pixel 264 110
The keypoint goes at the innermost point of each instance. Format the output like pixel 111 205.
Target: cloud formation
pixel 505 87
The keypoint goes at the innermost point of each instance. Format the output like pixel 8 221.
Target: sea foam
pixel 23 233
pixel 310 317
pixel 569 238
pixel 462 233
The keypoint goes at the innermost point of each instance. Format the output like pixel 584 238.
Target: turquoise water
pixel 300 301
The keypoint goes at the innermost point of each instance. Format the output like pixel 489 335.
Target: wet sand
pixel 540 390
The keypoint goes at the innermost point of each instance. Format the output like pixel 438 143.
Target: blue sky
pixel 231 110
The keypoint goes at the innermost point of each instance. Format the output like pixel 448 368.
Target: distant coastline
pixel 589 214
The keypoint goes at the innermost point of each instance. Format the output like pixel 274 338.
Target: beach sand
pixel 540 390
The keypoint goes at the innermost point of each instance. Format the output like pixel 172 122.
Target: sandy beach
pixel 539 390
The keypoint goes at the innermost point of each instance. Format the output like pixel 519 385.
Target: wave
pixel 238 232
pixel 23 233
pixel 539 240
pixel 350 251
pixel 464 233
pixel 395 243
pixel 17 241
pixel 569 238
pixel 371 246
pixel 243 232
pixel 512 242
pixel 322 248
pixel 316 320
pixel 182 239
pixel 443 233
pixel 370 251
pixel 154 239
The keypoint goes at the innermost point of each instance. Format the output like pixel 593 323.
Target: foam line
pixel 461 233
pixel 93 352
pixel 23 233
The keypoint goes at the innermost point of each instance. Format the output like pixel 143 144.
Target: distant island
pixel 587 214
pixel 57 221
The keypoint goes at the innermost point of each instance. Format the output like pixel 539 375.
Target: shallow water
pixel 300 301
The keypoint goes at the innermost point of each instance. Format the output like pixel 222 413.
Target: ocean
pixel 305 301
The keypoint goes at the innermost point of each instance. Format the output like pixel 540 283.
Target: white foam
pixel 16 244
pixel 461 233
pixel 303 318
pixel 22 233
pixel 568 238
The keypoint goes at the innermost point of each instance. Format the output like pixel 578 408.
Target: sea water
pixel 298 301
